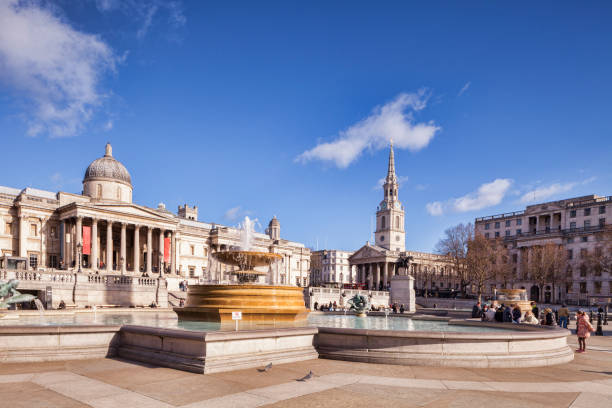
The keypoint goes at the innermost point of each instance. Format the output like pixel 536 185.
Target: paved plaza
pixel 586 382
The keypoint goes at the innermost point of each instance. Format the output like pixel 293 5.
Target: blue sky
pixel 271 108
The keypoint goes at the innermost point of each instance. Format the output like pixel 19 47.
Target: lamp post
pixel 79 253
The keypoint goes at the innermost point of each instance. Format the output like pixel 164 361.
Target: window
pixel 585 239
pixel 205 250
pixel 99 191
pixel 397 237
pixel 497 224
pixel 33 261
pixel 487 226
pixel 519 221
pixel 33 230
pixel 583 253
pixel 192 249
pixel 602 222
pixel 587 223
pixel 192 271
pixel 573 214
pixel 587 212
pixel 602 209
pixel 583 287
pixel 496 234
pixel 382 238
pixel 514 258
pixel 573 225
pixel 570 254
pixel 397 223
pixel 519 231
pixel 597 287
pixel 507 223
pixel 53 261
pixel 570 240
pixel 53 233
pixel 382 222
pixel 507 233
pixel 486 235
pixel 8 228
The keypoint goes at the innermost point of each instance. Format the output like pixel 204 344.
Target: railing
pixel 553 231
pixel 71 278
pixel 498 216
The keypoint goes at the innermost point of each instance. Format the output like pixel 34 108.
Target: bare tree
pixel 536 268
pixel 454 245
pixel 554 262
pixel 600 260
pixel 503 267
pixel 480 262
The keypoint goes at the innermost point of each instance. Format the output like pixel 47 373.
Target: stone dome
pixel 108 168
pixel 274 222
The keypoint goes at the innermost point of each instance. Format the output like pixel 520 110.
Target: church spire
pixel 391 178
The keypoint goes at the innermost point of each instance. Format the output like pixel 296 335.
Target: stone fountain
pixel 260 303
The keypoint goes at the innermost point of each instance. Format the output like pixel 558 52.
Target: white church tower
pixel 390 233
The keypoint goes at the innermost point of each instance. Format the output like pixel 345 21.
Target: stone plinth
pixel 260 304
pixel 213 352
pixel 402 292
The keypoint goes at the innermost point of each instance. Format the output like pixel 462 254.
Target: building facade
pixel 331 267
pixel 101 231
pixel 579 225
pixel 375 264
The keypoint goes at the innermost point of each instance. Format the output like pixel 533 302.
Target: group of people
pixel 395 308
pixel 183 286
pixel 513 314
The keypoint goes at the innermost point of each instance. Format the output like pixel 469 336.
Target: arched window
pixel 383 222
pixel 397 223
pixel 99 191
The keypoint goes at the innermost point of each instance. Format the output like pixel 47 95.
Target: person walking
pixel 563 316
pixel 583 330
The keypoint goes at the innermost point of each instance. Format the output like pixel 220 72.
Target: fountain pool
pixel 169 320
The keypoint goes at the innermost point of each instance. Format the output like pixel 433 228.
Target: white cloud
pixel 434 208
pixel 394 120
pixel 232 213
pixel 108 125
pixel 542 193
pixel 57 68
pixel 381 181
pixel 465 88
pixel 487 195
pixel 146 12
pixel 420 187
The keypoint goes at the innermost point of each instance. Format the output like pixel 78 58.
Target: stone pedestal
pixel 402 292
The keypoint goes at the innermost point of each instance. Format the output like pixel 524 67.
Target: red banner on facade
pixel 166 249
pixel 86 240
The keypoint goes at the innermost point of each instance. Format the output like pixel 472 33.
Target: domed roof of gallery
pixel 107 167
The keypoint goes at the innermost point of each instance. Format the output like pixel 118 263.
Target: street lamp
pixel 79 252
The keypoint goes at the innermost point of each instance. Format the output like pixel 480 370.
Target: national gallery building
pixel 102 232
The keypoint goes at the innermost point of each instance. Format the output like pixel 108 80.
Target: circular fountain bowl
pixel 259 304
pixel 250 259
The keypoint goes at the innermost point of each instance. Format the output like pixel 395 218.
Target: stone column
pixel 370 276
pixel 62 236
pixel 136 248
pixel 23 252
pixel 173 255
pixel 161 252
pixel 43 243
pixel 123 255
pixel 149 249
pixel 176 253
pixel 94 243
pixel 79 240
pixel 377 276
pixel 386 275
pixel 109 245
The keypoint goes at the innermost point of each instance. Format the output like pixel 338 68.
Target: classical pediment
pixel 136 210
pixel 368 252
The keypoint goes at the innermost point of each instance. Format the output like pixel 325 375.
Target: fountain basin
pixel 260 304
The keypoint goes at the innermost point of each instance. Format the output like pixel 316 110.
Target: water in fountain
pixel 39 306
pixel 247 229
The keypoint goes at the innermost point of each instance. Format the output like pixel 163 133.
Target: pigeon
pixel 265 369
pixel 307 376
